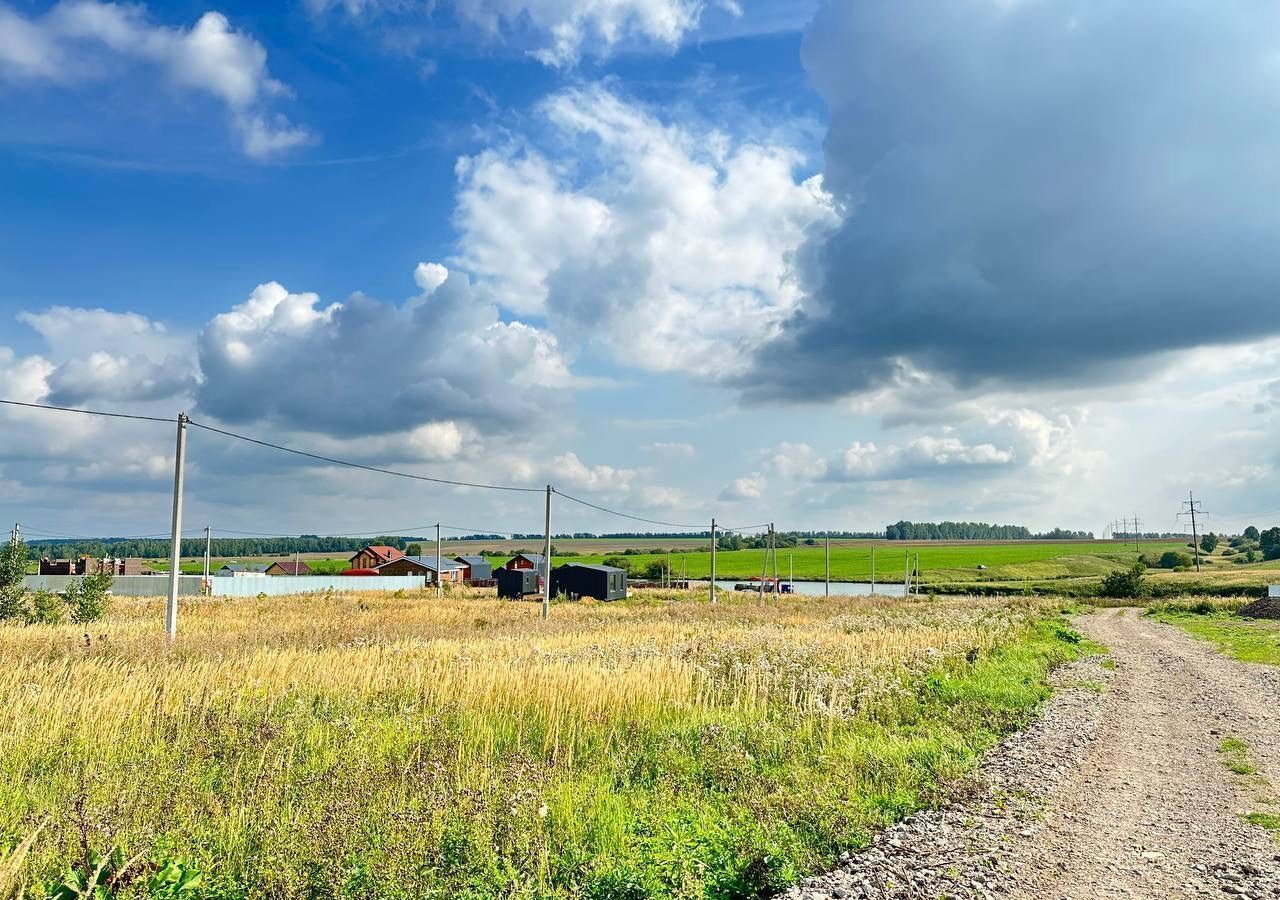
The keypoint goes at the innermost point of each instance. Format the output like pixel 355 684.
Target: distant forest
pixel 976 531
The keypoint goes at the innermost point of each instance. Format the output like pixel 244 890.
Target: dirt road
pixel 1122 789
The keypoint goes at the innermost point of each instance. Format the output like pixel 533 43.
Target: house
pixel 375 555
pixel 450 571
pixel 516 584
pixel 582 580
pixel 475 568
pixel 86 565
pixel 237 570
pixel 525 561
pixel 290 567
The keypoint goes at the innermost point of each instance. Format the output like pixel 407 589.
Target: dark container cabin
pixel 576 580
pixel 516 584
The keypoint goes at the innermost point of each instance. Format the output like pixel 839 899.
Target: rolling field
pixel 1005 562
pixel 373 746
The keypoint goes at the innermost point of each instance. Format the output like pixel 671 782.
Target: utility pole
pixel 546 562
pixel 208 546
pixel 439 586
pixel 1191 504
pixel 764 569
pixel 175 545
pixel 713 560
pixel 873 570
pixel 15 534
pixel 828 565
pixel 1137 535
pixel 906 572
pixel 773 546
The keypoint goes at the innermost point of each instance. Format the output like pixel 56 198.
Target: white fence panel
pixel 230 586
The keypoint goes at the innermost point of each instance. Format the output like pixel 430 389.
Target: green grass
pixel 1235 756
pixel 1242 639
pixel 1006 563
pixel 1269 821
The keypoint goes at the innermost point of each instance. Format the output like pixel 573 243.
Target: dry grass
pixel 380 746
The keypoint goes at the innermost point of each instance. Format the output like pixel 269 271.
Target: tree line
pixel 976 531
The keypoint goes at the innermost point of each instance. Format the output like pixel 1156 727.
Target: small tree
pixel 87 599
pixel 1209 542
pixel 1269 541
pixel 13 566
pixel 413 550
pixel 47 608
pixel 1124 583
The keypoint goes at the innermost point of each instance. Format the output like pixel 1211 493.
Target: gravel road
pixel 1119 789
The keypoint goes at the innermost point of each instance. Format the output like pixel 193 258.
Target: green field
pixel 939 562
pixel 1046 567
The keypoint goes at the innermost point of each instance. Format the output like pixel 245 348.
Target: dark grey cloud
pixel 1036 191
pixel 365 367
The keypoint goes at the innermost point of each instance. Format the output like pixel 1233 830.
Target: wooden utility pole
pixel 873 570
pixel 208 547
pixel 439 585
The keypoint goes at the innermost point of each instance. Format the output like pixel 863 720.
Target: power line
pixel 86 412
pixel 355 465
pixel 615 512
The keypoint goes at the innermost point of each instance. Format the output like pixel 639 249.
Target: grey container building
pixel 516 583
pixel 582 580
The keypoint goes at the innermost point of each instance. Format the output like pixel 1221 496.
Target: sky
pixel 823 264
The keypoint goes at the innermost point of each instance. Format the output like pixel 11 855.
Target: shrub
pixel 1251 555
pixel 47 608
pixel 618 562
pixel 1228 552
pixel 1124 583
pixel 1209 542
pixel 87 599
pixel 1172 559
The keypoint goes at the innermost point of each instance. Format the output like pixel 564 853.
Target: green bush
pixel 1172 559
pixel 1209 542
pixel 1124 583
pixel 13 566
pixel 47 608
pixel 88 598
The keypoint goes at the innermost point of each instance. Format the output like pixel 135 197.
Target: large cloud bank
pixel 1036 191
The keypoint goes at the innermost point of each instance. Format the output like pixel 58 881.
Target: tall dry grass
pixel 367 745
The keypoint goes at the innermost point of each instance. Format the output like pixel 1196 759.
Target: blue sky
pixel 827 265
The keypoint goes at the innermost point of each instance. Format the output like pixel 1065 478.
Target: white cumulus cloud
pixel 680 237
pixel 78 41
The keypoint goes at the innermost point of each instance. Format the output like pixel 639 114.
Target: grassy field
pixel 939 562
pixel 1051 568
pixel 373 746
pixel 1250 640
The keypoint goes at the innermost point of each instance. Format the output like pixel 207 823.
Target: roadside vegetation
pixel 1248 640
pixel 374 746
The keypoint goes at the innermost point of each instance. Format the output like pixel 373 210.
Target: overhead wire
pixel 355 465
pixel 86 412
pixel 615 512
pixel 368 468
